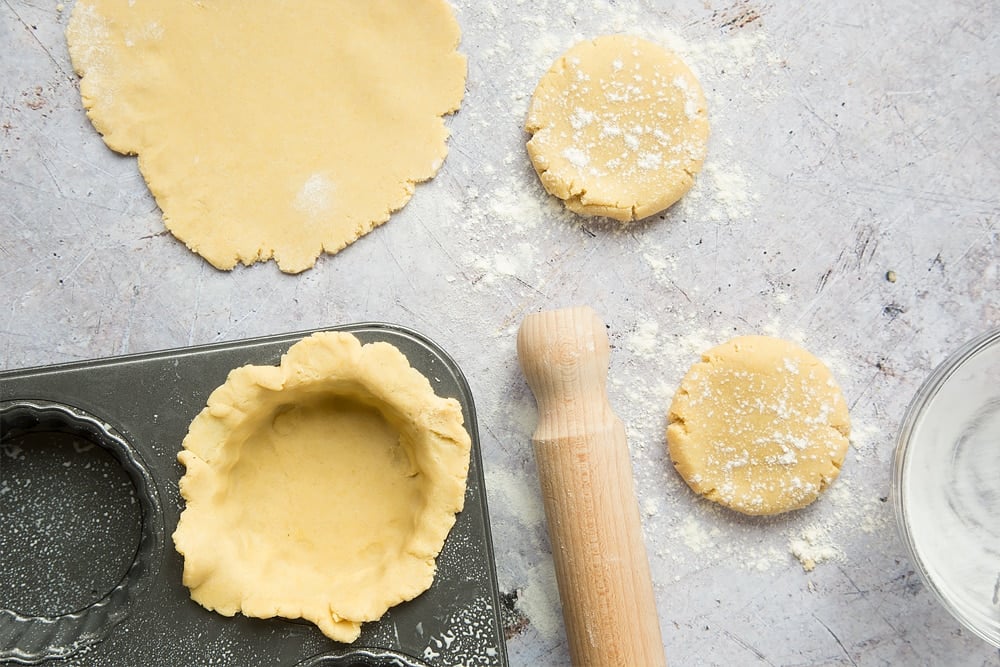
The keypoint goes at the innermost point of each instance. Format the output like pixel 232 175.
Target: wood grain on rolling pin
pixel 588 492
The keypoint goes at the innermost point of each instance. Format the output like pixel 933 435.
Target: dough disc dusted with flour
pixel 323 488
pixel 758 425
pixel 270 128
pixel 619 128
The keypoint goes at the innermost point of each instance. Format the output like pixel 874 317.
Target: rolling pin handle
pixel 589 495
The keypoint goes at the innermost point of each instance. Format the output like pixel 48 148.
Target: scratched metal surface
pixel 849 141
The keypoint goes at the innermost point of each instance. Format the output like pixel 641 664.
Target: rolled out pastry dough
pixel 758 425
pixel 322 488
pixel 267 128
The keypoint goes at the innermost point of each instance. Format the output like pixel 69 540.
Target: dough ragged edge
pixel 331 360
pixel 709 467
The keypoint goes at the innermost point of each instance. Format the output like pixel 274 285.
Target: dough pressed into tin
pixel 322 488
pixel 619 128
pixel 271 129
pixel 758 425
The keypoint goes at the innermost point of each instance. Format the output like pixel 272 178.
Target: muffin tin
pixel 89 497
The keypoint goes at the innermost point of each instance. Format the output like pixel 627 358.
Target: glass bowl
pixel 946 484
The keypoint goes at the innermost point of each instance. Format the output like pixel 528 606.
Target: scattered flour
pixel 466 641
pixel 643 343
pixel 812 546
pixel 509 206
pixel 865 439
pixel 697 537
pixel 524 247
pixel 713 535
pixel 520 496
pixel 315 196
pixel 729 192
pixel 649 506
pixel 537 590
pixel 539 600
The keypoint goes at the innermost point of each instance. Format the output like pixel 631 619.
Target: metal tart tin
pixel 85 430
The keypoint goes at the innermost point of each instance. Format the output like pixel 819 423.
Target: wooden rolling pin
pixel 589 495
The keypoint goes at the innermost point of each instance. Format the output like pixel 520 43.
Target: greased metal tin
pixel 88 487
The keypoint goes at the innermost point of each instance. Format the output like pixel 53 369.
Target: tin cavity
pixel 70 522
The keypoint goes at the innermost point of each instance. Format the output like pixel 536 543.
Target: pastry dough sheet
pixel 271 129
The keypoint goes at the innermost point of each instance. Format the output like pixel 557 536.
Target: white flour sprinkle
pixel 813 546
pixel 643 342
pixel 510 220
pixel 577 157
pixel 315 197
pixel 581 118
pixel 649 161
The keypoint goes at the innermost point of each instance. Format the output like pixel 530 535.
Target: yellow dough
pixel 758 425
pixel 322 488
pixel 271 128
pixel 619 128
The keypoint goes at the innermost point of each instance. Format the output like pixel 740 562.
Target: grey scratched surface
pixel 849 139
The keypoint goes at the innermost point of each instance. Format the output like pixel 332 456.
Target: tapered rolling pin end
pixel 564 355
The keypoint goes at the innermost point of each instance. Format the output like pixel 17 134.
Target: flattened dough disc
pixel 271 129
pixel 758 425
pixel 619 128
